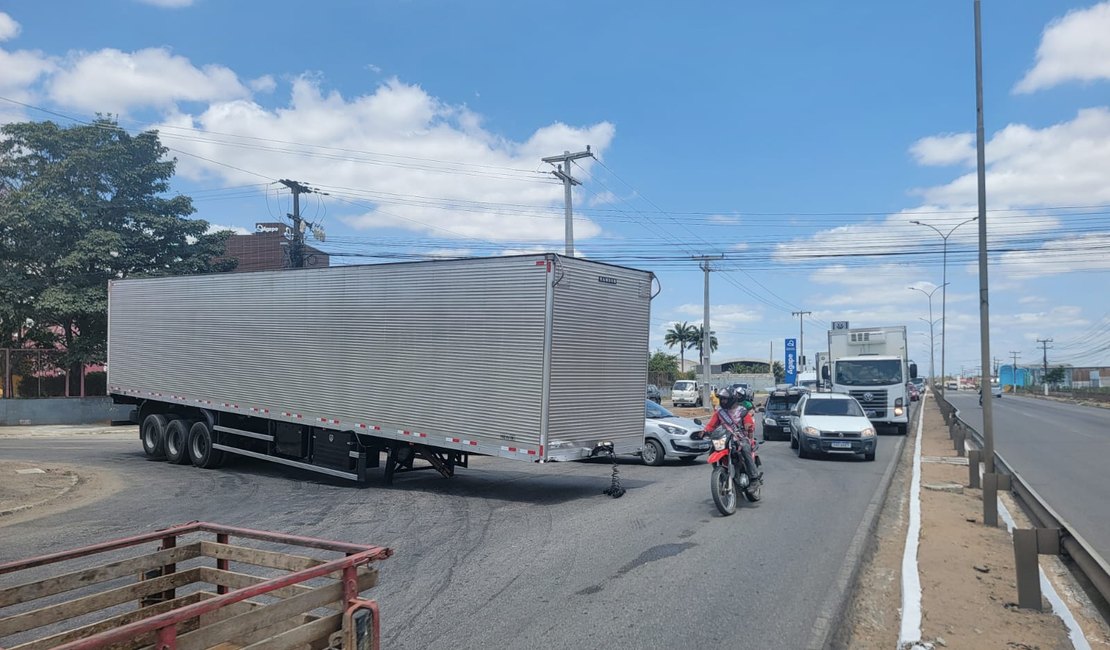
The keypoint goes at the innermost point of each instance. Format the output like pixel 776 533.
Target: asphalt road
pixel 1061 450
pixel 511 555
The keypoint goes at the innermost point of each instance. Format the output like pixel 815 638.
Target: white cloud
pixel 238 230
pixel 602 198
pixel 1031 300
pixel 397 157
pixel 113 81
pixel 1073 48
pixel 948 149
pixel 263 84
pixel 168 4
pixel 722 318
pixel 9 28
pixel 1062 164
pixel 374 68
pixel 1072 254
pixel 20 70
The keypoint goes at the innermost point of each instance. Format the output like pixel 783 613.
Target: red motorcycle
pixel 730 472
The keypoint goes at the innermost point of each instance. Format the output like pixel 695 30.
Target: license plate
pixel 840 445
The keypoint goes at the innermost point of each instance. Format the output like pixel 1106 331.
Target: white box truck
pixel 327 369
pixel 871 365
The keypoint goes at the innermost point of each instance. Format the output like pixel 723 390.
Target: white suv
pixel 686 392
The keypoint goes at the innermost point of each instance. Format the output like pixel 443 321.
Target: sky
pixel 798 140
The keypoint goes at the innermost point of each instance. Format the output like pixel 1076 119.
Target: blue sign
pixel 791 361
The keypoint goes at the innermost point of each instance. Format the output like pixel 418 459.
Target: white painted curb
pixel 910 632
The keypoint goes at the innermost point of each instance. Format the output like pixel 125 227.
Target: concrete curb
pixel 831 614
pixel 74 480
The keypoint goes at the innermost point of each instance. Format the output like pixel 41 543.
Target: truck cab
pixel 686 392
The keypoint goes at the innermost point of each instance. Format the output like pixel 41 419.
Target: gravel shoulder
pixel 29 490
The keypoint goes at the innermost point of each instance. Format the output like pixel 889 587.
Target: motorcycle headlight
pixel 811 431
pixel 719 444
pixel 869 432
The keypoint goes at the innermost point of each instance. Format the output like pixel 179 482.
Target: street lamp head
pixel 916 222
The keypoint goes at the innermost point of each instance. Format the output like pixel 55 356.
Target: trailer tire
pixel 200 447
pixel 177 442
pixel 153 435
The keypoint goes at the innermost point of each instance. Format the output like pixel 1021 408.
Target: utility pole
pixel 991 479
pixel 1044 348
pixel 562 172
pixel 801 340
pixel 1014 368
pixel 706 337
pixel 296 248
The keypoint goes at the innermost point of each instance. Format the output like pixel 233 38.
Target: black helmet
pixel 729 397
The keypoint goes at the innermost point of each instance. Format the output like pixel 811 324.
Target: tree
pixel 778 371
pixel 698 339
pixel 1055 376
pixel 661 363
pixel 80 206
pixel 680 335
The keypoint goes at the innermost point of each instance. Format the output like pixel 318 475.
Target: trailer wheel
pixel 153 435
pixel 177 442
pixel 200 447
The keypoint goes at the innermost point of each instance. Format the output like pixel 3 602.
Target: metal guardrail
pixel 1086 559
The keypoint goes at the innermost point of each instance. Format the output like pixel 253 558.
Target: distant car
pixel 832 423
pixel 668 436
pixel 996 390
pixel 686 392
pixel 915 393
pixel 653 394
pixel 920 383
pixel 776 412
pixel 743 389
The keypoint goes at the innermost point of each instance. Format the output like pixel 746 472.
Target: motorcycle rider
pixel 737 418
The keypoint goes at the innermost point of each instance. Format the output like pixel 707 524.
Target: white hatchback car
pixel 831 423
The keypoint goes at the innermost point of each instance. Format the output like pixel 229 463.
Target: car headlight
pixel 769 422
pixel 674 431
pixel 811 431
pixel 869 432
pixel 898 410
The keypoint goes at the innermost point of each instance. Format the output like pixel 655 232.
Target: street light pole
pixel 932 359
pixel 944 292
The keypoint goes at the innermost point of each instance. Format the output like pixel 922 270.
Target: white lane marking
pixel 911 576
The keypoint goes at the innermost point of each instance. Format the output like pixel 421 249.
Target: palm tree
pixel 680 335
pixel 697 338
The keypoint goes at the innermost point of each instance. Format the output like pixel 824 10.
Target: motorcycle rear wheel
pixel 724 494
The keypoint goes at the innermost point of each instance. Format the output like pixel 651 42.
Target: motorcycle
pixel 730 475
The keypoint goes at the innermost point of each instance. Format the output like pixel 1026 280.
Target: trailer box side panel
pixel 599 356
pixel 450 349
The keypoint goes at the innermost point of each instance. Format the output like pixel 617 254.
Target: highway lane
pixel 511 555
pixel 1061 450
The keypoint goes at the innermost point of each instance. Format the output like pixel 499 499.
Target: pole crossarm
pixel 562 172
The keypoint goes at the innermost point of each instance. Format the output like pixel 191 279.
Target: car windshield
pixel 869 372
pixel 655 412
pixel 780 403
pixel 848 407
pixel 683 385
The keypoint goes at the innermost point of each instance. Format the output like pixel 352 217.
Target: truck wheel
pixel 153 435
pixel 200 447
pixel 652 453
pixel 177 442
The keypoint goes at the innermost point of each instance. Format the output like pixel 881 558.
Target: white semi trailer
pixel 330 369
pixel 871 365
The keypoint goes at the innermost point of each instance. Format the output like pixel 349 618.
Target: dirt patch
pixel 29 490
pixel 968 580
